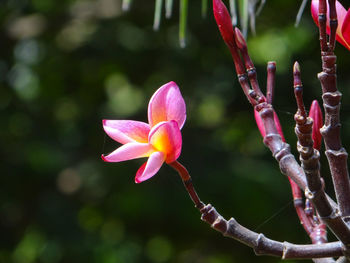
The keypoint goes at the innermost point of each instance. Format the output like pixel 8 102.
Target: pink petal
pixel 150 168
pixel 165 137
pixel 125 131
pixel 316 115
pixel 261 127
pixel 259 123
pixel 341 15
pixel 223 20
pixel 129 151
pixel 167 104
pixel 314 11
pixel 345 29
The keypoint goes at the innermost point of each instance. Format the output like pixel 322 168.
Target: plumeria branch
pixel 260 244
pixel 266 246
pixel 309 157
pixel 336 154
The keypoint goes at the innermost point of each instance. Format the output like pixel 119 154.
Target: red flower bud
pixel 223 20
pixel 316 115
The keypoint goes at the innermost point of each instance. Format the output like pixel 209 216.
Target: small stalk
pixel 187 181
pixel 260 8
pixel 309 158
pixel 322 19
pixel 204 8
pixel 168 8
pixel 157 14
pixel 300 13
pixel 183 22
pixel 249 65
pixel 233 12
pixel 244 15
pixel 270 84
pixel 333 23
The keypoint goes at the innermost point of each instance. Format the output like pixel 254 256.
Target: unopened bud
pixel 316 115
pixel 223 20
pixel 240 41
pixel 296 74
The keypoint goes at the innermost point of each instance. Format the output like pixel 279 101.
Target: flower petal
pixel 345 29
pixel 125 131
pixel 167 104
pixel 314 11
pixel 166 137
pixel 129 151
pixel 150 168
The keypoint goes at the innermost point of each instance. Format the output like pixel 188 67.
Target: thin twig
pixel 187 181
pixel 309 158
pixel 270 84
pixel 300 12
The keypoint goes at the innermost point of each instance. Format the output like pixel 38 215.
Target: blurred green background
pixel 66 65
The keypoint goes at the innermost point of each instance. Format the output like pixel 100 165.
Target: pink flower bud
pixel 261 127
pixel 316 115
pixel 223 20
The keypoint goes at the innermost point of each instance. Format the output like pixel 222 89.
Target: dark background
pixel 66 65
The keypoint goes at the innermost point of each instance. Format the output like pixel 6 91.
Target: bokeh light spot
pixel 68 181
pixel 24 81
pixel 210 111
pixel 112 231
pixel 29 248
pixel 159 249
pixel 89 218
pixel 123 98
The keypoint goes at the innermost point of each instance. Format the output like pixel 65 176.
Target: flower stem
pixel 187 181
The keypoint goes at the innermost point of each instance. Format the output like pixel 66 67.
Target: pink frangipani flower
pixel 343 30
pixel 159 139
